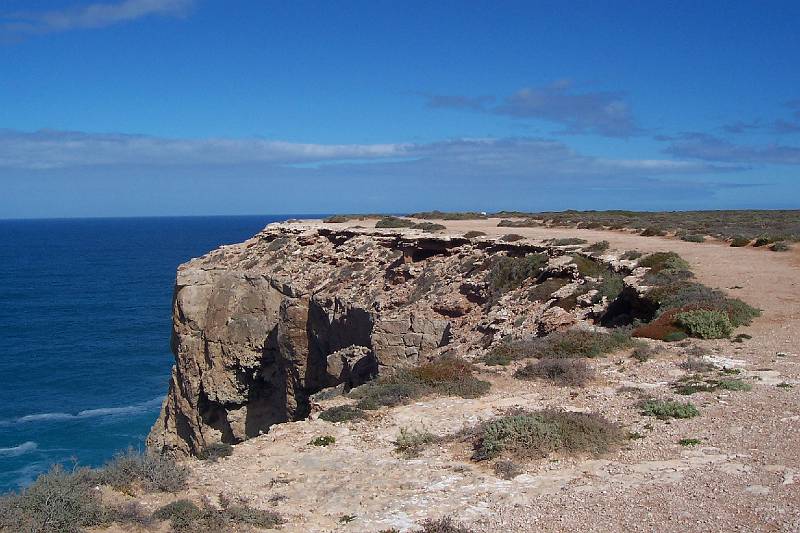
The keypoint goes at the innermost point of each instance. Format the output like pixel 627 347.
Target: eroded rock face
pixel 260 326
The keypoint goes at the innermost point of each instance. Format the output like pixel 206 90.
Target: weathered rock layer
pixel 260 326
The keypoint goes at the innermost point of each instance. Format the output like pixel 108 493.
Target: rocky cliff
pixel 260 326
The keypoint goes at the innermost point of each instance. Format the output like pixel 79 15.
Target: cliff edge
pixel 259 327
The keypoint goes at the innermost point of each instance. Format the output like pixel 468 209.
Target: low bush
pixel 631 255
pixel 429 226
pixel 507 469
pixel 664 261
pixel 410 443
pixel 449 376
pixel 568 241
pixel 705 324
pixel 324 440
pixel 511 237
pixel 589 267
pixel 342 413
pixel 394 222
pixel 567 344
pixel 442 525
pixel 738 242
pixel 473 234
pixel 780 247
pixel 665 409
pixel 57 502
pixel 689 442
pixel 215 452
pixel 689 295
pixel 611 285
pixel 762 241
pixel 449 215
pixel 544 290
pixel 182 514
pixel 565 372
pixel 539 433
pixel 507 273
pixel 693 238
pixel 598 247
pixel 131 513
pixel 653 232
pixel 150 471
pixel 644 353
pixel 185 516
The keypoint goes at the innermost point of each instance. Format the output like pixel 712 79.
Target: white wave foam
pixel 16 451
pixel 87 413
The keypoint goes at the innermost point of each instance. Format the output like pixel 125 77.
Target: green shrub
pixel 664 261
pixel 705 324
pixel 539 433
pixel 762 241
pixel 693 238
pixel 410 443
pixel 565 372
pixel 182 514
pixel 57 502
pixel 675 336
pixel 473 234
pixel 324 440
pixel 544 290
pixel 429 226
pixel 780 247
pixel 394 222
pixel 448 376
pixel 689 442
pixel 507 469
pixel 442 525
pixel 185 516
pixel 449 215
pixel 695 295
pixel 215 452
pixel 734 385
pixel 131 513
pixel 598 247
pixel 150 471
pixel 342 413
pixel 653 232
pixel 738 242
pixel 611 285
pixel 511 237
pixel 244 514
pixel 507 273
pixel 589 267
pixel 567 344
pixel 630 255
pixel 664 409
pixel 568 241
pixel 644 353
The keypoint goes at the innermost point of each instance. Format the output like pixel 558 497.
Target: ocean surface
pixel 85 319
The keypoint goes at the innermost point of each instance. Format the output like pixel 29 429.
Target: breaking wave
pixel 87 413
pixel 16 451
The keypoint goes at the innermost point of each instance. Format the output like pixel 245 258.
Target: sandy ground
pixel 744 476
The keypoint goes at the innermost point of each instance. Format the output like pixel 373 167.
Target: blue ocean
pixel 85 319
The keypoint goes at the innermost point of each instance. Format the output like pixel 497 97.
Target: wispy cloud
pixel 781 126
pixel 588 112
pixel 98 15
pixel 701 146
pixel 46 150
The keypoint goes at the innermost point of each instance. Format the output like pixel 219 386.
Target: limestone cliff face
pixel 260 326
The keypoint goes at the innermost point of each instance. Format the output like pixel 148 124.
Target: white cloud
pixel 98 15
pixel 518 158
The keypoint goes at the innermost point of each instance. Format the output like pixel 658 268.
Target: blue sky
pixel 191 107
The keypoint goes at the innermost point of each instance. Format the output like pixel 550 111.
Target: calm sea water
pixel 85 323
